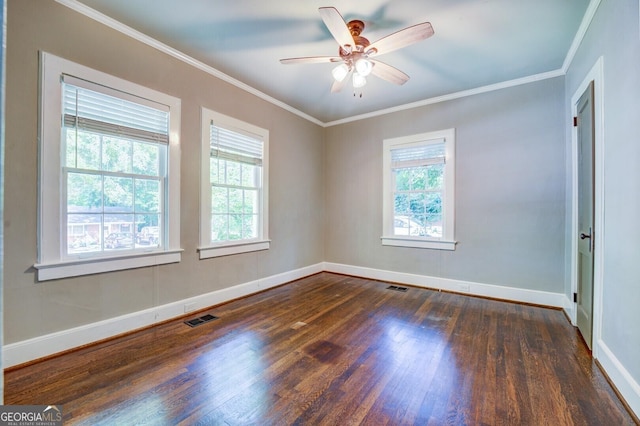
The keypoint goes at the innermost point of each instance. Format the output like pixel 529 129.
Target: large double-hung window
pixel 234 186
pixel 109 173
pixel 418 204
pixel 114 170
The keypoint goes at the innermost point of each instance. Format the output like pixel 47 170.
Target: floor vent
pixel 396 288
pixel 201 320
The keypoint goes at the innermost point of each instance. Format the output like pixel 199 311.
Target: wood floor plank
pixel 332 349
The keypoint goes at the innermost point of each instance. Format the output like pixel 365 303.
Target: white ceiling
pixel 476 43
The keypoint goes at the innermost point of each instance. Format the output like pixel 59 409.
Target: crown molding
pixel 149 41
pixel 451 96
pixel 143 38
pixel 582 31
pixel 577 40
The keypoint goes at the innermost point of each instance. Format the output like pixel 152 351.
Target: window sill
pixel 75 268
pixel 418 243
pixel 233 248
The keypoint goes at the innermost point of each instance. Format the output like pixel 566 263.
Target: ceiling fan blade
pixel 338 85
pixel 388 73
pixel 401 39
pixel 336 25
pixel 311 60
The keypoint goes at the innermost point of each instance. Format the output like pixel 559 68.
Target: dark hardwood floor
pixel 335 350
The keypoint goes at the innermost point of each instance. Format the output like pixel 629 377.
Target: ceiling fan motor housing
pixel 361 43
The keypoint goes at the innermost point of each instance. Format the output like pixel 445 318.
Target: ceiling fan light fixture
pixel 340 72
pixel 364 66
pixel 355 50
pixel 358 80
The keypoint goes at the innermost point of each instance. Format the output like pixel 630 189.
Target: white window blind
pixel 415 156
pixel 99 112
pixel 235 146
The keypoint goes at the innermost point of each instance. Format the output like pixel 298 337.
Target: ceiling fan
pixel 355 53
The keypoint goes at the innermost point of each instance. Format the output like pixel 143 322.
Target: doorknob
pixel 589 236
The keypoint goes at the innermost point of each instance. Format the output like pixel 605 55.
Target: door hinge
pixel 575 121
pixel 575 297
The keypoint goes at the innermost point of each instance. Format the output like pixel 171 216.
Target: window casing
pixel 418 190
pixel 234 185
pixel 109 173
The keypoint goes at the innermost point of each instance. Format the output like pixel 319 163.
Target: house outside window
pixel 234 186
pixel 418 188
pixel 109 181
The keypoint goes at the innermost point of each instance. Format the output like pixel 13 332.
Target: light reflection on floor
pixel 238 363
pixel 412 348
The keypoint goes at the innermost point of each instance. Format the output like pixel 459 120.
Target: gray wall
pixel 613 34
pixel 510 189
pixel 296 177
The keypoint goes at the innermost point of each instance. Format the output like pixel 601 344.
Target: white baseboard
pixel 42 346
pixel 556 300
pixel 570 309
pixel 622 379
pixel 624 382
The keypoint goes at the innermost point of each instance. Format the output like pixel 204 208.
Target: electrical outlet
pixel 188 307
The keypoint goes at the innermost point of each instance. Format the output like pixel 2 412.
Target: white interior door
pixel 585 128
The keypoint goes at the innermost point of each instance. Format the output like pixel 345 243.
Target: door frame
pixel 596 74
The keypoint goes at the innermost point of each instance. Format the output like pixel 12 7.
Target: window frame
pixel 207 248
pixel 447 241
pixel 52 262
